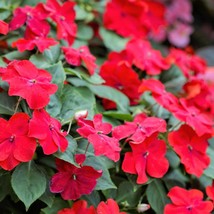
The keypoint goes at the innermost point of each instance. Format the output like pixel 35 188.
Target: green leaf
pixel 84 32
pixel 173 158
pixel 92 199
pixel 7 103
pixel 209 171
pixel 28 182
pixel 156 195
pixel 107 92
pixel 47 197
pixel 127 194
pixel 173 79
pixel 57 205
pixel 68 155
pixel 54 106
pixel 94 79
pixel 52 54
pixel 112 40
pixel 75 99
pixel 118 115
pixel 98 162
pixel 58 75
pixel 5 185
pixel 16 55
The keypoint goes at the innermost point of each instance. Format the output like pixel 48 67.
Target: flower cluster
pixel 98 115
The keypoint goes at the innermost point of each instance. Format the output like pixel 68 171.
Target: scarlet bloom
pixel 30 83
pixel 126 12
pixel 15 144
pixel 96 132
pixel 146 58
pixel 146 158
pixel 73 182
pixel 32 40
pixel 194 117
pixel 79 207
pixel 210 191
pixel 110 207
pixel 34 17
pixel 48 131
pixel 64 16
pixel 191 148
pixel 187 202
pixel 123 78
pixel 77 56
pixel 3 27
pixel 140 128
pixel 159 93
pixel 188 63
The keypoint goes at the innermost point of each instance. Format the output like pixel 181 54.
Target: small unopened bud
pixel 80 114
pixel 143 207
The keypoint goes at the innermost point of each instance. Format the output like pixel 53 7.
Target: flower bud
pixel 80 114
pixel 143 207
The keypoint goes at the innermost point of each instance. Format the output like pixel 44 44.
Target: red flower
pixel 188 63
pixel 15 144
pixel 110 207
pixel 77 56
pixel 187 202
pixel 146 58
pixel 73 182
pixel 126 12
pixel 31 40
pixel 48 131
pixel 95 131
pixel 210 191
pixel 3 27
pixel 201 123
pixel 79 207
pixel 64 16
pixel 191 148
pixel 164 98
pixel 34 17
pixel 146 158
pixel 122 77
pixel 30 83
pixel 140 128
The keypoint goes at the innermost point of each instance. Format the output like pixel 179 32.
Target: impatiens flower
pixel 32 40
pixel 127 12
pixel 48 132
pixel 3 27
pixel 210 191
pixel 146 58
pixel 15 144
pixel 188 63
pixel 64 16
pixel 164 98
pixel 30 83
pixel 34 17
pixel 123 78
pixel 72 182
pixel 198 120
pixel 79 207
pixel 146 158
pixel 96 132
pixel 199 93
pixel 77 56
pixel 187 202
pixel 110 207
pixel 191 148
pixel 140 128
